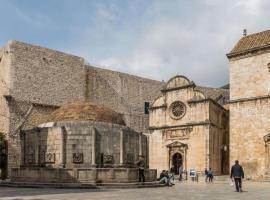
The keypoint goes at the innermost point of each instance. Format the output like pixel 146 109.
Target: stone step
pixel 80 185
pixel 47 185
pixel 130 185
pixel 222 178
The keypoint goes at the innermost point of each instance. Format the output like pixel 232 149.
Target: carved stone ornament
pixel 49 158
pixel 178 133
pixel 108 158
pixel 177 145
pixel 77 158
pixel 177 110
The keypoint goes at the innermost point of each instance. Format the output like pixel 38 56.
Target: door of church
pixel 177 161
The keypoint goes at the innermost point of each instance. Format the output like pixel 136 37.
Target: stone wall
pixel 196 153
pixel 219 139
pixel 96 144
pixel 42 146
pixel 249 76
pixel 4 88
pixel 124 93
pixel 70 175
pixel 250 111
pixel 45 76
pixel 23 115
pixel 48 78
pixel 249 123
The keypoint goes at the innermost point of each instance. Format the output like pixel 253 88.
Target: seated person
pixel 163 177
pixel 170 178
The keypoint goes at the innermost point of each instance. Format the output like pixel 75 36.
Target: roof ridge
pixel 257 33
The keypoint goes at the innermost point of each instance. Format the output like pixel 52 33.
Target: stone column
pixel 121 162
pixel 22 137
pixel 185 158
pixel 207 138
pixel 93 152
pixel 140 143
pixel 62 141
pixel 36 148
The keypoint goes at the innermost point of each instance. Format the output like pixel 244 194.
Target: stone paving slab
pixel 185 191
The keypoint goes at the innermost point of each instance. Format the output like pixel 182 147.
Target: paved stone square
pixel 185 191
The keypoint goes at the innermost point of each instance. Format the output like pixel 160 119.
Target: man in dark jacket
pixel 141 165
pixel 237 173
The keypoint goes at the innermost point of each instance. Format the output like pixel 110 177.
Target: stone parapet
pixel 82 175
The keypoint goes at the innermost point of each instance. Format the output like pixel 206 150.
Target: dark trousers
pixel 180 177
pixel 238 183
pixel 141 175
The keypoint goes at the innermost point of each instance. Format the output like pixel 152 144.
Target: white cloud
pixel 176 37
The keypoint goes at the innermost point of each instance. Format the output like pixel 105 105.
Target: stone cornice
pixel 182 125
pixel 206 100
pixel 157 107
pixel 248 53
pixel 249 99
pixel 178 88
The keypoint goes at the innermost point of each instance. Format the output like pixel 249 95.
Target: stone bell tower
pixel 250 103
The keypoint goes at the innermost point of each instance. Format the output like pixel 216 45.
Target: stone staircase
pixel 80 185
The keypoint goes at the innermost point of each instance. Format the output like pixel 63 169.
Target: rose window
pixel 178 109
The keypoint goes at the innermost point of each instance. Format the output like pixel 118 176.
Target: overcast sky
pixel 156 39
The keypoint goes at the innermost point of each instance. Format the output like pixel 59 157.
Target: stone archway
pixel 177 155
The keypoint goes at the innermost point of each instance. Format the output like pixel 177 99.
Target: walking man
pixel 237 173
pixel 141 165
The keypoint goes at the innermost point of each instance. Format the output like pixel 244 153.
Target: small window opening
pixel 146 108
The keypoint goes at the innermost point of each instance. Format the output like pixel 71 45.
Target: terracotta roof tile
pixel 219 95
pixel 86 111
pixel 251 42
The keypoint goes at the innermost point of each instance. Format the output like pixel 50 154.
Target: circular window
pixel 177 109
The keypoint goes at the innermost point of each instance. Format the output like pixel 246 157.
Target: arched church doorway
pixel 177 161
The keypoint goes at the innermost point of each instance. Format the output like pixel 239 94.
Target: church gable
pixel 178 82
pixel 182 103
pixel 174 106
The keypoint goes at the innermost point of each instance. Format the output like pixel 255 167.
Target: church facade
pixel 189 128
